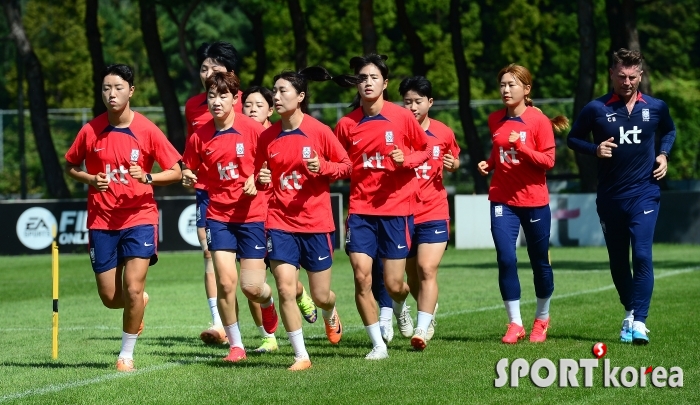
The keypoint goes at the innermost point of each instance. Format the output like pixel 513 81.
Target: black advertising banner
pixel 28 225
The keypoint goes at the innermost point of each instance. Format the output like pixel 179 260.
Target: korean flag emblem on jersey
pixel 240 149
pixel 134 155
pixel 436 152
pixel 645 114
pixel 523 136
pixel 389 137
pixel 306 152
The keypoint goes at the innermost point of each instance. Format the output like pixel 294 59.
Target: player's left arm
pixel 450 160
pixel 418 142
pixel 667 131
pixel 167 157
pixel 542 155
pixel 333 161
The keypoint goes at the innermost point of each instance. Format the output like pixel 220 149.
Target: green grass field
pixel 458 366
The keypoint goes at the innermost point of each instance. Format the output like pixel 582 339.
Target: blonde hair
pixel 521 74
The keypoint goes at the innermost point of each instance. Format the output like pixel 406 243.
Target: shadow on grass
pixel 571 265
pixel 100 366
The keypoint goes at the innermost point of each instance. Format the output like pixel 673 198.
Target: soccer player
pixel 385 143
pixel 119 148
pixel 431 217
pixel 624 124
pixel 223 152
pixel 216 57
pixel 298 157
pixel 522 152
pixel 257 104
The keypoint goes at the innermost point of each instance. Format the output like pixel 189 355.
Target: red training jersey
pixel 300 200
pixel 519 169
pixel 197 114
pixel 226 160
pixel 106 149
pixel 377 185
pixel 433 205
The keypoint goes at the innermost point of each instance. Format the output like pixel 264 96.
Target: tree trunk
pixel 53 170
pixel 367 28
pixel 474 146
pixel 622 23
pixel 587 165
pixel 164 83
pixel 195 81
pixel 415 44
pixel 299 26
pixel 256 19
pixel 94 39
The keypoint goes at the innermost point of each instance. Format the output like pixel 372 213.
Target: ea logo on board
pixel 34 228
pixel 187 224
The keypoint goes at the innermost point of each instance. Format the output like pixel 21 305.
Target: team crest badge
pixel 389 137
pixel 645 114
pixel 240 149
pixel 498 211
pixel 436 152
pixel 134 155
pixel 523 136
pixel 306 152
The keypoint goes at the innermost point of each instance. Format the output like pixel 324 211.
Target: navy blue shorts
pixel 108 249
pixel 202 197
pixel 429 232
pixel 312 251
pixel 246 239
pixel 383 237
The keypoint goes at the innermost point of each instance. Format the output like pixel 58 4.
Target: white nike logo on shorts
pixel 400 247
pixel 647 212
pixel 438 232
pixel 259 247
pixel 147 244
pixel 534 220
pixel 322 258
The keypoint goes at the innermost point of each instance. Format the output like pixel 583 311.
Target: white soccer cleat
pixel 387 330
pixel 405 322
pixel 377 353
pixel 431 328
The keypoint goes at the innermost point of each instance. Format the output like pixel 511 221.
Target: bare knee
pixel 321 298
pixel 227 287
pixel 111 302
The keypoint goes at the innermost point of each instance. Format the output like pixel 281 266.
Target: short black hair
pixel 121 70
pixel 419 84
pixel 627 58
pixel 221 52
pixel 264 91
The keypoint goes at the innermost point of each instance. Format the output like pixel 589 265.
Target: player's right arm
pixel 191 160
pixel 74 158
pixel 579 135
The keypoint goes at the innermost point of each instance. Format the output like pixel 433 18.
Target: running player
pixel 298 158
pixel 625 124
pixel 431 217
pixel 522 152
pixel 223 152
pixel 257 104
pixel 119 148
pixel 385 143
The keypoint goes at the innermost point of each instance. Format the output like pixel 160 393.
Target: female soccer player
pixel 431 217
pixel 119 148
pixel 523 150
pixel 379 137
pixel 258 105
pixel 223 152
pixel 298 158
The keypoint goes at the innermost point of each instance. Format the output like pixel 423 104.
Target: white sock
pixel 268 303
pixel 424 319
pixel 542 311
pixel 629 314
pixel 263 333
pixel 397 307
pixel 385 314
pixel 296 339
pixel 513 310
pixel 214 309
pixel 234 335
pixel 375 335
pixel 327 314
pixel 128 343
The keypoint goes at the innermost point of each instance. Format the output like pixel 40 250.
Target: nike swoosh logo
pixel 259 247
pixel 322 258
pixel 209 152
pixel 610 115
pixel 438 232
pixel 194 123
pixel 356 142
pixel 535 220
pixel 147 244
pixel 400 247
pixel 97 150
pixel 647 212
pixel 496 134
pixel 274 154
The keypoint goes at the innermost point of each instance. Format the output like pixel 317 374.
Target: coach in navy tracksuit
pixel 624 125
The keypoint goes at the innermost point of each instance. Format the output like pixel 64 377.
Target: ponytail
pixel 299 80
pixel 559 123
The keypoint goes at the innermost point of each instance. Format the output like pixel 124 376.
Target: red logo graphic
pixel 599 350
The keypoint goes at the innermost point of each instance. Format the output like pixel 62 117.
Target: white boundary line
pixel 107 377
